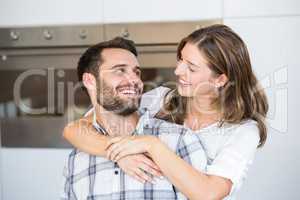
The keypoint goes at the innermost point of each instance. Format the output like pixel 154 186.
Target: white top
pixel 230 149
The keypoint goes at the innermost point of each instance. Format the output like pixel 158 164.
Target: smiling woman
pixel 218 98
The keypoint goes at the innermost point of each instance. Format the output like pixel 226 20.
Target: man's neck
pixel 114 124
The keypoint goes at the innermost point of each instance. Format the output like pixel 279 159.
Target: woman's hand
pixel 119 147
pixel 136 166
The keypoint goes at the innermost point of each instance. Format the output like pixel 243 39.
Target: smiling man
pixel 110 73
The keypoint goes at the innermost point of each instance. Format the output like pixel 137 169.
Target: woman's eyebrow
pixel 192 63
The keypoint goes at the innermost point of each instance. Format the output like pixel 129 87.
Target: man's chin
pixel 126 111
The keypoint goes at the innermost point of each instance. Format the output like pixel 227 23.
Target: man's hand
pixel 137 165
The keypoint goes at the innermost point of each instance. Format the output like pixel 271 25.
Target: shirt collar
pixel 143 122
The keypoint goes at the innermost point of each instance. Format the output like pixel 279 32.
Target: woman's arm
pixel 83 136
pixel 191 182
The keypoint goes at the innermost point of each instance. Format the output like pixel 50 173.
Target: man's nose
pixel 134 78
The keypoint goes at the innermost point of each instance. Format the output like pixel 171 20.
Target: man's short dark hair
pixel 91 59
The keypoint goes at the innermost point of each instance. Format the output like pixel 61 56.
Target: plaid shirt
pixel 92 177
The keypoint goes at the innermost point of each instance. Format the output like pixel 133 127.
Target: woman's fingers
pixel 115 149
pixel 136 176
pixel 140 167
pixel 149 169
pixel 113 141
pixel 114 152
pixel 142 174
pixel 149 162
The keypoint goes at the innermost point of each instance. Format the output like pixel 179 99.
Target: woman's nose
pixel 180 69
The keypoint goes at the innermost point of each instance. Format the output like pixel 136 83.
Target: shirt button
pixel 116 172
pixel 146 126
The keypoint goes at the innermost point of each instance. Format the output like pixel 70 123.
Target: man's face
pixel 119 85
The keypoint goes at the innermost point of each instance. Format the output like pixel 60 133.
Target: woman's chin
pixel 184 92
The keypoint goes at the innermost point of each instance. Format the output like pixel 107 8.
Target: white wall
pixel 275 54
pixel 30 174
pixel 270 28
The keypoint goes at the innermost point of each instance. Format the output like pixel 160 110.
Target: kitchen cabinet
pixel 254 8
pixel 156 10
pixel 46 12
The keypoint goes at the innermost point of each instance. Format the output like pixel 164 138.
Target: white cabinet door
pixel 274 48
pixel 252 8
pixel 54 12
pixel 157 10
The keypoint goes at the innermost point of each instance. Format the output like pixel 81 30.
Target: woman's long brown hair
pixel 241 98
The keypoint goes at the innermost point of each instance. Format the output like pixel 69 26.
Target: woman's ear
pixel 221 80
pixel 89 81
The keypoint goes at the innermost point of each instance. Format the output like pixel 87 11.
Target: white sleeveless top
pixel 230 149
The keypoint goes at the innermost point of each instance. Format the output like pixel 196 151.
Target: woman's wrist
pixel 153 144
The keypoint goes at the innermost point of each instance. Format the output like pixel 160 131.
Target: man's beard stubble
pixel 111 102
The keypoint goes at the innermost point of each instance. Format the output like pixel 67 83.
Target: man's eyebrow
pixel 118 65
pixel 125 65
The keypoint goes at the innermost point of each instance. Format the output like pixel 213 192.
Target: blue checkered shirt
pixel 91 177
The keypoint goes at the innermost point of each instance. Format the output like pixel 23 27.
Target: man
pixel 111 74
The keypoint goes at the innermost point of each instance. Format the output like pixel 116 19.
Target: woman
pixel 218 97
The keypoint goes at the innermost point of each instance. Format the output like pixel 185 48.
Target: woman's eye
pixel 191 69
pixel 179 60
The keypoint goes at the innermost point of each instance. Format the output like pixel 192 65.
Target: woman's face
pixel 194 76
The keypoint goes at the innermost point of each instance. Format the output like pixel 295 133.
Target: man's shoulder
pixel 164 127
pixel 153 100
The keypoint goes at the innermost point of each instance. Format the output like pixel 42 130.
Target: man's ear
pixel 89 81
pixel 221 81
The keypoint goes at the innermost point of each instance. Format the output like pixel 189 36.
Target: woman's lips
pixel 183 82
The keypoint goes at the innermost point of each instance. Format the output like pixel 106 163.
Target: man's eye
pixel 120 70
pixel 138 73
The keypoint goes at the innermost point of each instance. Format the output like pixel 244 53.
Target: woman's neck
pixel 201 113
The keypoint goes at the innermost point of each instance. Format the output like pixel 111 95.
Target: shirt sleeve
pixel 64 183
pixel 66 186
pixel 236 155
pixel 191 150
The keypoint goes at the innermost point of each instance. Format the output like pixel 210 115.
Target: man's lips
pixel 129 91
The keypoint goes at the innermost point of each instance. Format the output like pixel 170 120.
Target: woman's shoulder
pixel 153 99
pixel 248 128
pixel 244 135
